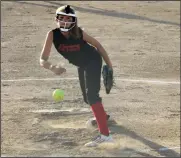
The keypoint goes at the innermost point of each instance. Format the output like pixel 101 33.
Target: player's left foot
pixel 100 139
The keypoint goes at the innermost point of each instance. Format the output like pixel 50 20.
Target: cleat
pixel 100 139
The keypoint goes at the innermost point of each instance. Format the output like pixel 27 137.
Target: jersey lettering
pixel 69 48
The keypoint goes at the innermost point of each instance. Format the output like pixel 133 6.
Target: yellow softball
pixel 58 95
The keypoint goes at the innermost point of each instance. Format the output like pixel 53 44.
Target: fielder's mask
pixel 68 11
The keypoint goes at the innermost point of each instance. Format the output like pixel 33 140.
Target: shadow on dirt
pixel 55 140
pixel 103 12
pixel 58 139
pixel 129 152
pixel 118 129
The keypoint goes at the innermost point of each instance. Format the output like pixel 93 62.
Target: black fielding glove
pixel 107 74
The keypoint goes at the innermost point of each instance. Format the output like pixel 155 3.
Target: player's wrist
pixel 110 66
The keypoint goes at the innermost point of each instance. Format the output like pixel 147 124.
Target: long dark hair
pixel 76 32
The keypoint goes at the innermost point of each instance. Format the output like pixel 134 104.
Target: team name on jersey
pixel 69 48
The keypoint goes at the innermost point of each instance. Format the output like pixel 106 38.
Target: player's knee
pixel 93 98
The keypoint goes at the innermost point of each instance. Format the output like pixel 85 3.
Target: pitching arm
pixel 45 53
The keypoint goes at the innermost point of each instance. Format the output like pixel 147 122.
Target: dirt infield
pixel 143 42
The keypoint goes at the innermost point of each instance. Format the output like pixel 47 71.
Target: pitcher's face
pixel 64 21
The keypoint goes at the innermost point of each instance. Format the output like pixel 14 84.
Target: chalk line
pixel 75 78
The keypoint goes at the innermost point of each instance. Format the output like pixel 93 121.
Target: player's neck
pixel 66 34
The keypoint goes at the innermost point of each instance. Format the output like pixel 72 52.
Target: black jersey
pixel 77 51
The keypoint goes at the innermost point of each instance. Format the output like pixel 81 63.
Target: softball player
pixel 85 52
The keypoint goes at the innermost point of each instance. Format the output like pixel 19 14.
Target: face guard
pixel 68 12
pixel 67 25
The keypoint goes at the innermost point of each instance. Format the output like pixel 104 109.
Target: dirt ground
pixel 143 42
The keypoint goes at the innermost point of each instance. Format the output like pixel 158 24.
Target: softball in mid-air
pixel 58 95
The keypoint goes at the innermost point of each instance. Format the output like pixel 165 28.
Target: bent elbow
pixel 98 45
